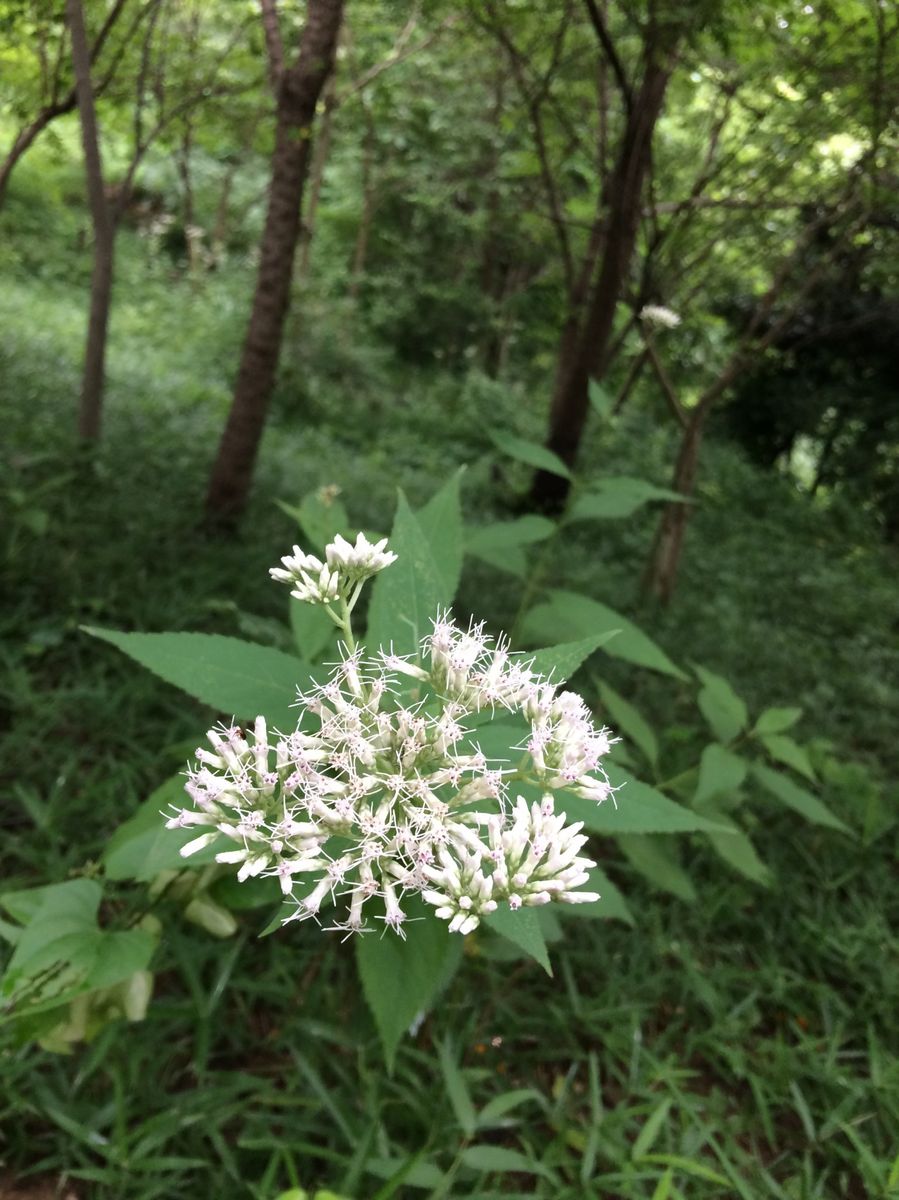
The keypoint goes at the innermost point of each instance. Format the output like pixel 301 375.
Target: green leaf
pixel 784 750
pixel 441 523
pixel 611 905
pixel 627 720
pixel 797 798
pixel 653 858
pixel 689 1167
pixel 531 453
pixel 401 978
pixel 776 720
pixel 636 808
pixel 722 708
pixel 494 1110
pixel 141 847
pixel 737 850
pixel 407 595
pixel 501 544
pixel 237 678
pixel 498 1158
pixel 648 1135
pixel 721 773
pixel 522 928
pixel 456 1089
pixel 560 662
pixel 313 630
pixel 600 400
pixel 616 497
pixel 412 1171
pixel 569 615
pixel 320 516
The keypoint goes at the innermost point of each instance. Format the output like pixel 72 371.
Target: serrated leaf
pixel 441 523
pixel 654 859
pixel 531 453
pixel 784 750
pixel 776 720
pixel 560 662
pixel 617 497
pixel 523 929
pixel 407 595
pixel 637 808
pixel 721 773
pixel 627 720
pixel 400 978
pixel 568 615
pixel 722 708
pixel 797 798
pixel 236 678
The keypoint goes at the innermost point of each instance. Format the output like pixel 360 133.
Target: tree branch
pixel 273 44
pixel 598 22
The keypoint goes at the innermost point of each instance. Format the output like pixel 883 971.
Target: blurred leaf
pixel 501 544
pixel 600 400
pixel 236 678
pixel 498 1158
pixel 721 773
pixel 616 497
pixel 636 808
pixel 406 596
pixel 412 1171
pixel 627 720
pixel 456 1088
pixel 784 750
pixel 722 708
pixel 648 1135
pixel 570 615
pixel 793 796
pixel 320 516
pixel 737 850
pixel 441 523
pixel 496 1109
pixel 523 929
pixel 653 858
pixel 776 720
pixel 531 453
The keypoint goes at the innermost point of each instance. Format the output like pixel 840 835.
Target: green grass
pixel 740 1047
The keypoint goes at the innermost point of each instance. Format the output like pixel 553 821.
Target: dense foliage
pixel 722 1021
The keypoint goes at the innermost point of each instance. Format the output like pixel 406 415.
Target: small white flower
pixel 659 316
pixel 358 562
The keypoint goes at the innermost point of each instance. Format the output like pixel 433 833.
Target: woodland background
pixel 250 252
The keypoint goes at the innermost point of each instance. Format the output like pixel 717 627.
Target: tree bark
pixel 585 355
pixel 299 89
pixel 91 402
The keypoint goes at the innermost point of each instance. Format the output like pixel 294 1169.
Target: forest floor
pixel 744 1045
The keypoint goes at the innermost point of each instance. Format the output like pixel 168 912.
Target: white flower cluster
pixel 376 796
pixel 659 316
pixel 345 569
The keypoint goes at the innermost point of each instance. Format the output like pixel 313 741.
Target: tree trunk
pixel 299 89
pixel 91 403
pixel 661 574
pixel 319 163
pixel 587 352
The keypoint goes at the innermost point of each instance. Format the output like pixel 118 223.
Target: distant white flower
pixel 345 569
pixel 659 316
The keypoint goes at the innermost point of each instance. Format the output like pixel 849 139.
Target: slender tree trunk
pixel 661 574
pixel 317 173
pixel 298 91
pixel 360 252
pixel 587 357
pixel 91 403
